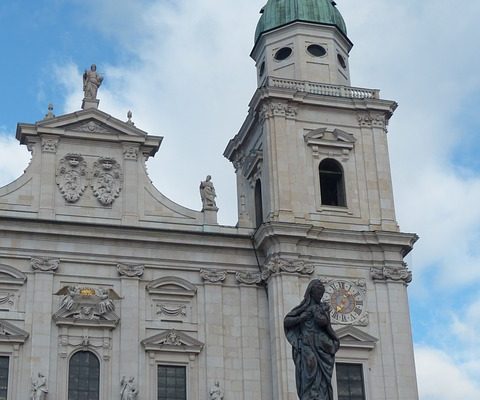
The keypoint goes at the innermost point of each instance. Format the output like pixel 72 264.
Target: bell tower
pixel 314 184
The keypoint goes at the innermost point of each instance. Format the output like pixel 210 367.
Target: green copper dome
pixel 277 13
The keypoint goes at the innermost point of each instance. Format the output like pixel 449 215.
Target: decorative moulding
pixel 172 285
pixel 281 265
pixel 351 337
pixel 329 142
pixel 11 275
pixel 173 341
pixel 9 333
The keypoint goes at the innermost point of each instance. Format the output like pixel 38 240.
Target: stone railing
pixel 323 89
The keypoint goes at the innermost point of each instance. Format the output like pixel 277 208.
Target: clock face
pixel 347 301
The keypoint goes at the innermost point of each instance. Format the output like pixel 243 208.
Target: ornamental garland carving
pixel 213 276
pixel 172 310
pixel 391 274
pixel 71 177
pixel 130 271
pixel 249 278
pixel 45 264
pixel 278 265
pixel 106 180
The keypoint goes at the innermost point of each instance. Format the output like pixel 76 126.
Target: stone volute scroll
pixel 71 177
pixel 39 388
pixel 314 344
pixel 91 82
pixel 106 180
pixel 129 389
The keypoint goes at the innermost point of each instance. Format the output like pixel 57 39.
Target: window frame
pixel 341 192
pixel 355 361
pixel 173 364
pixel 99 371
pixel 10 374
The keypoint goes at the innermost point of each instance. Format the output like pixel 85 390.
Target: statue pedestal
pixel 90 103
pixel 210 217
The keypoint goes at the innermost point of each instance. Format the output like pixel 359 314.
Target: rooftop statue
pixel 91 82
pixel 314 344
pixel 207 193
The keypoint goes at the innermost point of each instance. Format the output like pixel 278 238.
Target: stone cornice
pixel 304 232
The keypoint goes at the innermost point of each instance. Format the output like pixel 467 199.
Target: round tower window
pixel 342 61
pixel 283 53
pixel 316 50
pixel 262 69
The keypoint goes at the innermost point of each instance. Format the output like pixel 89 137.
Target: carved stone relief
pixel 279 265
pixel 391 274
pixel 172 309
pixel 49 145
pixel 249 278
pixel 84 342
pixel 106 180
pixel 130 153
pixel 269 110
pixel 372 120
pixel 71 177
pixel 213 276
pixel 129 389
pixel 86 304
pixel 130 270
pixel 7 300
pixel 45 264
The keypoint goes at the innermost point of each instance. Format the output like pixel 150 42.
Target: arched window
pixel 84 376
pixel 332 185
pixel 258 204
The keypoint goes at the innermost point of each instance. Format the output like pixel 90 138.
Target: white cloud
pixel 190 80
pixel 14 159
pixel 441 378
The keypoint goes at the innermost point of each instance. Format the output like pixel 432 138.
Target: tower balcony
pixel 322 89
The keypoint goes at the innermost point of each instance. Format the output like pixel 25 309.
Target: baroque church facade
pixel 109 290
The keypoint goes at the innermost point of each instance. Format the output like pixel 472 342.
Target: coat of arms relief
pixel 73 177
pixel 106 180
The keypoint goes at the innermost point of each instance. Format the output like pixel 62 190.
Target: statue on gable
pixel 91 82
pixel 39 388
pixel 208 195
pixel 314 344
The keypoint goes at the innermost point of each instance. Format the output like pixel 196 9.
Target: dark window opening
pixel 350 384
pixel 262 69
pixel 84 376
pixel 283 53
pixel 4 363
pixel 342 61
pixel 258 204
pixel 171 383
pixel 332 185
pixel 316 50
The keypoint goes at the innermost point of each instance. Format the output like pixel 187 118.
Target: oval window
pixel 316 50
pixel 341 60
pixel 262 68
pixel 283 53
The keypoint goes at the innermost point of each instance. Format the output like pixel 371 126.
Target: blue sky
pixel 182 67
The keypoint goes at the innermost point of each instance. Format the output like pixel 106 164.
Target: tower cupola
pixel 302 40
